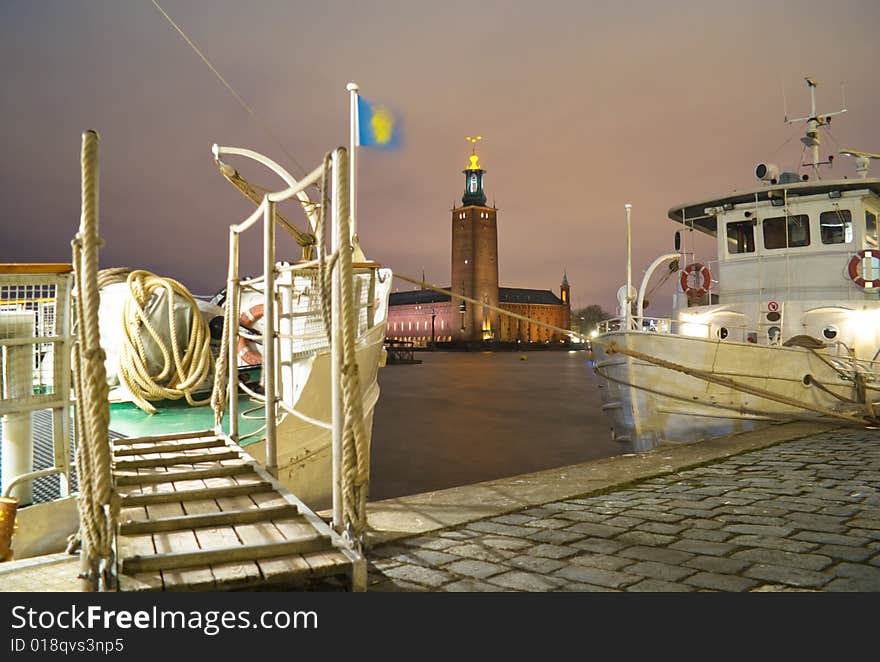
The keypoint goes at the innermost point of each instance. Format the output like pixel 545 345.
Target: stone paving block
pixel 426 557
pixel 624 522
pixel 783 558
pixel 595 530
pixel 504 542
pixel 472 586
pixel 388 551
pixel 539 512
pixel 867 576
pixel 599 545
pixel 691 512
pixel 873 524
pixel 429 542
pixel 595 576
pixel 870 534
pixel 659 554
pixel 662 528
pixel 717 565
pixel 383 564
pixel 527 581
pixel 583 516
pixel 548 523
pixel 604 561
pixel 513 518
pixel 475 568
pixel 790 576
pixel 416 574
pixel 706 534
pixel 653 515
pixel 556 537
pixel 479 551
pixel 535 564
pixel 563 505
pixel 484 526
pixel 658 586
pixel 663 571
pixel 645 538
pixel 846 553
pixel 459 534
pixel 718 582
pixel 704 547
pixel 737 518
pixel 760 530
pixel 816 522
pixel 830 538
pixel 701 523
pixel 552 551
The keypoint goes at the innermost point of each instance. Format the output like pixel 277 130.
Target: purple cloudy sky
pixel 584 106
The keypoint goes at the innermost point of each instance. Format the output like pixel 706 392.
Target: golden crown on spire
pixel 474 158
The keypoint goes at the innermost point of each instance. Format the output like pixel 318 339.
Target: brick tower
pixel 475 258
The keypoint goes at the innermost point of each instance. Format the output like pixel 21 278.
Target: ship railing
pixel 291 297
pixel 34 371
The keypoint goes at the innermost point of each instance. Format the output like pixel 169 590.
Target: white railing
pixel 34 370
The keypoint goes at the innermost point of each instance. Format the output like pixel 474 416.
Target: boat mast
pixel 814 121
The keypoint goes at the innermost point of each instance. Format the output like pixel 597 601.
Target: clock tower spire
pixel 475 255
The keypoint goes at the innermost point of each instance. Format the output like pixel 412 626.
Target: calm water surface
pixel 464 417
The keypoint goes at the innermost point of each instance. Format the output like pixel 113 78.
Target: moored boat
pixel 782 323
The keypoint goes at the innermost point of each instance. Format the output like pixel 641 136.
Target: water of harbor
pixel 465 417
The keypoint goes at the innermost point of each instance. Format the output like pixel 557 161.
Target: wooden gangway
pixel 198 513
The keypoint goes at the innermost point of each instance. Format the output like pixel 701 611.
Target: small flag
pixel 377 126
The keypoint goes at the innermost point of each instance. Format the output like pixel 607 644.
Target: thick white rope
pixel 182 372
pixel 97 519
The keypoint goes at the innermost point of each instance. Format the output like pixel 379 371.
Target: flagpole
pixel 353 136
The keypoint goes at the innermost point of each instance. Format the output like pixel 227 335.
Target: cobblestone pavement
pixel 802 515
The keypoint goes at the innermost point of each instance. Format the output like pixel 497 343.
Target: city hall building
pixel 425 316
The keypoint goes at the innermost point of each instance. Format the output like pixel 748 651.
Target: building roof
pixel 522 295
pixel 416 296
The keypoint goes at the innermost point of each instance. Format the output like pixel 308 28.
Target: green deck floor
pixel 178 416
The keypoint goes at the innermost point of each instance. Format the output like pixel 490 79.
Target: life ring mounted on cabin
pixel 704 280
pixel 856 273
pixel 246 351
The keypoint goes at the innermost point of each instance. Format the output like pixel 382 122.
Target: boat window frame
pixel 868 209
pixel 848 225
pixel 786 217
pixel 727 238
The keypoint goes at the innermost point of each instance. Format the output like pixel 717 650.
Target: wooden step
pixel 204 520
pixel 124 441
pixel 175 560
pixel 130 500
pixel 193 474
pixel 175 459
pixel 169 448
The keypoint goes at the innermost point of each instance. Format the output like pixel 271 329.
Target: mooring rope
pixel 97 518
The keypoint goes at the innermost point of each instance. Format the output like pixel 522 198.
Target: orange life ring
pixel 854 269
pixel 246 352
pixel 695 292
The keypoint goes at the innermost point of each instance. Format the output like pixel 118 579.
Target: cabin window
pixel 835 227
pixel 741 237
pixel 787 231
pixel 871 228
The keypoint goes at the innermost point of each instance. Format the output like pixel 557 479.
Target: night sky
pixel 584 106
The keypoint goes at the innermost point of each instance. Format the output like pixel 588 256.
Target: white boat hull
pixel 650 405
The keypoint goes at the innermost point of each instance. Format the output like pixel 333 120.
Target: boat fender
pixel 705 276
pixel 246 351
pixel 855 269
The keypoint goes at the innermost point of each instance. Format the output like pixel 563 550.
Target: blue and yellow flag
pixel 377 126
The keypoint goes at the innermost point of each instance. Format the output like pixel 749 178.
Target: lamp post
pixel 433 317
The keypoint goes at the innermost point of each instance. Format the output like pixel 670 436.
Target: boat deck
pixel 198 513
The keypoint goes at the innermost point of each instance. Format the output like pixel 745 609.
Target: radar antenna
pixel 814 120
pixel 863 160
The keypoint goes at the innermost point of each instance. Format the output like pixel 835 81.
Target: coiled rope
pixel 182 372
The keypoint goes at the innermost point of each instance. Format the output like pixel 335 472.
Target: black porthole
pixel 830 332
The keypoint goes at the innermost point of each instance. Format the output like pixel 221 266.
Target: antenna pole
pixel 813 128
pixel 629 299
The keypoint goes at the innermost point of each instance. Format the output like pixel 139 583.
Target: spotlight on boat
pixel 767 172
